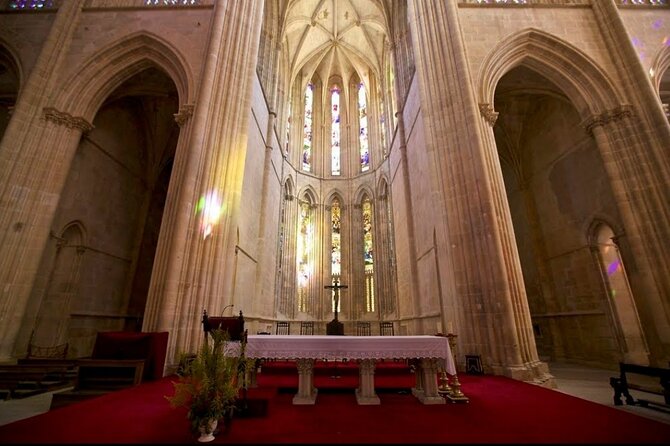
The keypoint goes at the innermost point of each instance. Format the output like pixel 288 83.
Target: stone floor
pixel 593 384
pixel 583 382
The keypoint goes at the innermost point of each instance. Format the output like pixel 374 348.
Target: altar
pixel 433 353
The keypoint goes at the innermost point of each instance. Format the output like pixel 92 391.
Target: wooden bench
pixel 20 380
pixel 109 374
pixel 98 377
pixel 622 386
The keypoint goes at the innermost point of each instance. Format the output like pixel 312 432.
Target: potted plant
pixel 209 384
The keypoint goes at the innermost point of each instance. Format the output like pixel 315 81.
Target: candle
pixel 450 328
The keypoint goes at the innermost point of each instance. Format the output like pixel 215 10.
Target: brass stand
pixel 454 394
pixel 443 388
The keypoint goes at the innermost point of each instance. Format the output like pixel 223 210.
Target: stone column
pixel 35 156
pixel 409 208
pixel 633 141
pixel 472 213
pixel 200 268
pixel 160 278
pixel 613 132
pixel 365 393
pixel 265 255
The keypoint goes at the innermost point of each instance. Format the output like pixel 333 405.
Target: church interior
pixel 494 169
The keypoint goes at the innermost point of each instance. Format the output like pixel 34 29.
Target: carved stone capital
pixel 488 113
pixel 50 114
pixel 608 116
pixel 185 112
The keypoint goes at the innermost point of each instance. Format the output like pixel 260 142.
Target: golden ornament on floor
pixel 452 390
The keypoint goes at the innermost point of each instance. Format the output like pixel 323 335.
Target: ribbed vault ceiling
pixel 335 37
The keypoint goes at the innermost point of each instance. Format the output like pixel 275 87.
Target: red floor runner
pixel 501 410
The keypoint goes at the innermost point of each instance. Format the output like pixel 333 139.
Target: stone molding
pixel 488 113
pixel 185 112
pixel 608 116
pixel 50 114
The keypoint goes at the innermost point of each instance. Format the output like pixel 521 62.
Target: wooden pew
pixel 623 384
pixel 97 377
pixel 21 380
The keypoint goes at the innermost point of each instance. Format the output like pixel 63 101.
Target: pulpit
pixel 233 325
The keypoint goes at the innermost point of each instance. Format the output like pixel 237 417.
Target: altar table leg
pixel 306 390
pixel 365 394
pixel 426 382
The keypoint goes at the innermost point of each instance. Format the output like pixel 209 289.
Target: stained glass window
pixel 363 133
pixel 171 2
pixel 336 248
pixel 305 243
pixel 307 131
pixel 368 256
pixel 31 4
pixel 335 129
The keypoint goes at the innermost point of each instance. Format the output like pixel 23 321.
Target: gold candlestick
pixel 443 388
pixel 455 395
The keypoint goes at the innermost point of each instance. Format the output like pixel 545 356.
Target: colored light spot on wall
pixel 210 206
pixel 613 267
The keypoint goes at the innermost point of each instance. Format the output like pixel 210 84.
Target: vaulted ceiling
pixel 335 37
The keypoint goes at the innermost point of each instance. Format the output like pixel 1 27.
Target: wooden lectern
pixel 234 325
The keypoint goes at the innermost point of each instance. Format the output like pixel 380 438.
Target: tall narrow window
pixel 307 131
pixel 368 256
pixel 382 122
pixel 336 248
pixel 288 126
pixel 335 129
pixel 620 299
pixel 363 133
pixel 391 95
pixel 305 243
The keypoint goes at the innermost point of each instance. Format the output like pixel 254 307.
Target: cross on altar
pixel 336 288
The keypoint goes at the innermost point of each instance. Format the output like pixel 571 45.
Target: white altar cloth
pixel 432 353
pixel 351 347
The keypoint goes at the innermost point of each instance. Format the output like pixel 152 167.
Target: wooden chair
pixel 363 329
pixel 386 329
pixel 283 328
pixel 306 328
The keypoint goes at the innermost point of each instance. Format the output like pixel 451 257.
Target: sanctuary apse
pixel 498 169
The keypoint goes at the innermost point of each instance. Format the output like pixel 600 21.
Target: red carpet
pixel 501 410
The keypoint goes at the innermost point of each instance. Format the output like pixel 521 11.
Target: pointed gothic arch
pixel 659 66
pixel 587 86
pixel 621 307
pixel 60 290
pixel 88 87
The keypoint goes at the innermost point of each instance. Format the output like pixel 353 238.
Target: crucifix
pixel 335 327
pixel 336 288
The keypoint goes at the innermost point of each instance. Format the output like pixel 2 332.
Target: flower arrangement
pixel 209 382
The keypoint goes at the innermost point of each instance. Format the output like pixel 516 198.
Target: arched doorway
pixel 116 187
